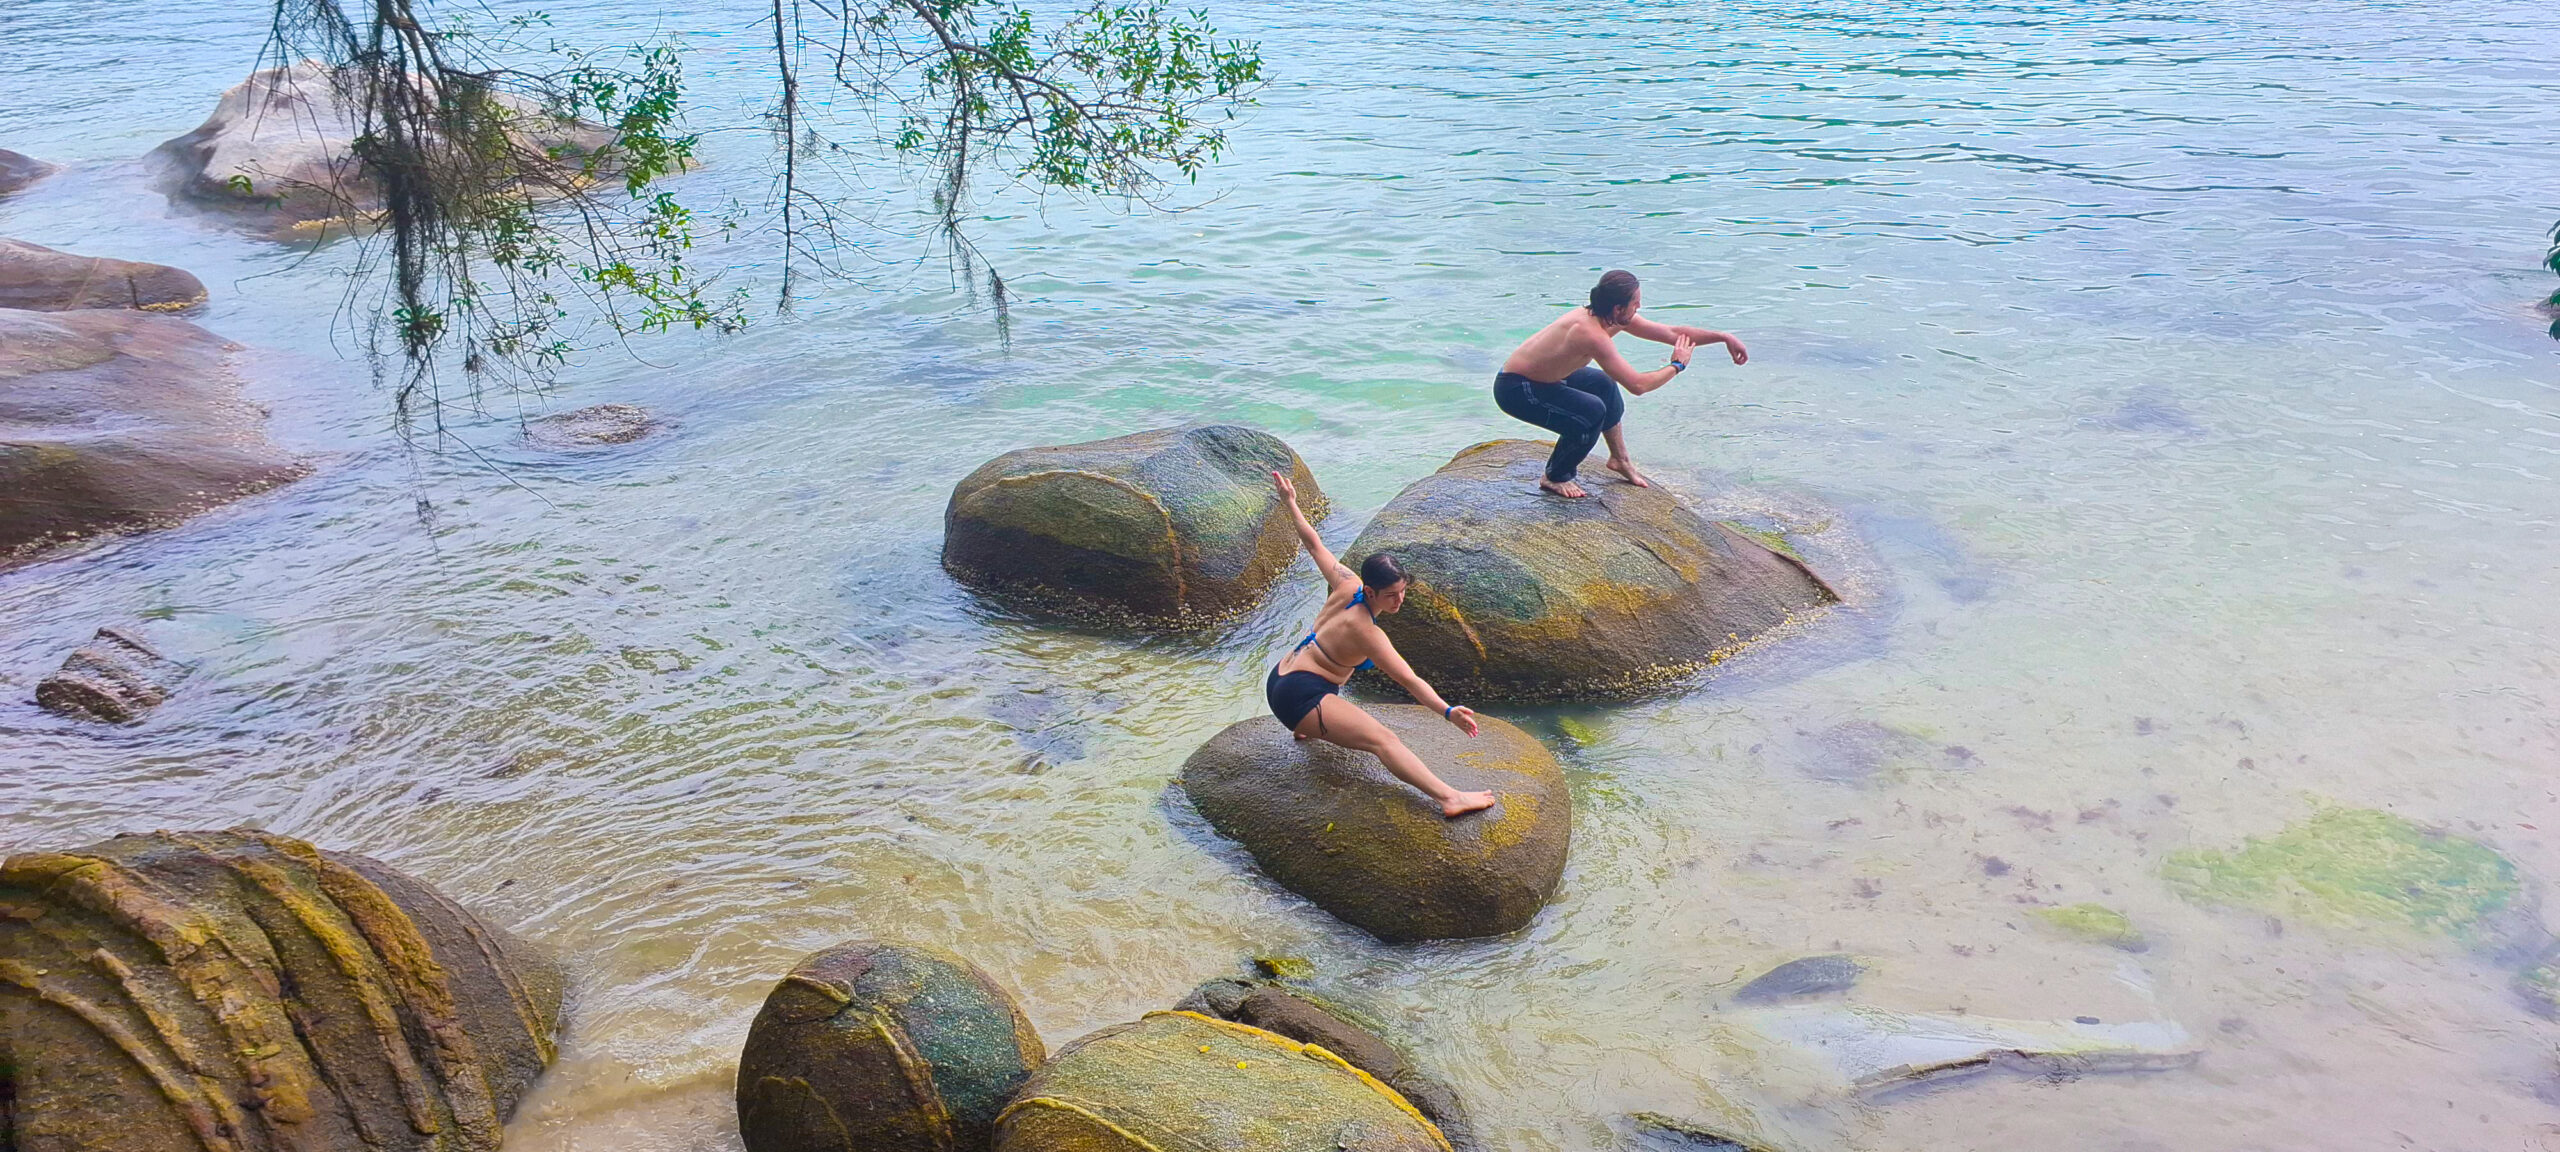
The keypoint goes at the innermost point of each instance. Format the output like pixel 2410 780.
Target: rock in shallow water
pixel 115 677
pixel 1810 976
pixel 591 427
pixel 119 421
pixel 1285 1013
pixel 1176 1080
pixel 1871 1050
pixel 42 279
pixel 880 1047
pixel 1177 524
pixel 238 990
pixel 1519 594
pixel 2351 868
pixel 1333 826
pixel 17 170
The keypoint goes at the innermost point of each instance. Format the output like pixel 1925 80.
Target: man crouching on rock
pixel 1583 404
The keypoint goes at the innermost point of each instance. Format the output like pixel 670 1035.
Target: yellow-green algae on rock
pixel 872 1046
pixel 1335 827
pixel 2360 868
pixel 243 992
pixel 1522 595
pixel 1183 1082
pixel 2095 923
pixel 1175 524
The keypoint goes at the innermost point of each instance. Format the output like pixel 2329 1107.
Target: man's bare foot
pixel 1465 802
pixel 1627 468
pixel 1569 490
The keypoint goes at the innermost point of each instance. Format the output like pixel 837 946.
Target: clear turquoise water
pixel 2161 380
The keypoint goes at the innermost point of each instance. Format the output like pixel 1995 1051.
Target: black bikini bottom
pixel 1296 694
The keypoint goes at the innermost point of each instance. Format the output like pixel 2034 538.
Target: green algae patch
pixel 2095 923
pixel 2353 868
pixel 1581 734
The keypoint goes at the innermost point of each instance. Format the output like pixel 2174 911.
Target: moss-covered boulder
pixel 882 1047
pixel 1178 1080
pixel 1333 826
pixel 2095 923
pixel 1522 595
pixel 118 421
pixel 42 279
pixel 238 990
pixel 2353 868
pixel 1173 525
pixel 1308 1019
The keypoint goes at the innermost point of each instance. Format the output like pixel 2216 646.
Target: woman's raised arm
pixel 1335 575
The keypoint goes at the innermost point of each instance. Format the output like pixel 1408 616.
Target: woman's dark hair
pixel 1616 287
pixel 1379 571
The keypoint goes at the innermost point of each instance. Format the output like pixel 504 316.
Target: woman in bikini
pixel 1303 688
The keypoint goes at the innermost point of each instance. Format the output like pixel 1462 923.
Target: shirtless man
pixel 1583 404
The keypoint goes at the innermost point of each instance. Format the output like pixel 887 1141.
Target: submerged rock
pixel 1176 524
pixel 17 170
pixel 118 422
pixel 592 426
pixel 1655 1132
pixel 1810 976
pixel 1181 1080
pixel 879 1047
pixel 2350 868
pixel 42 279
pixel 1299 1017
pixel 1870 1050
pixel 280 149
pixel 114 677
pixel 236 990
pixel 1333 826
pixel 1522 595
pixel 2095 923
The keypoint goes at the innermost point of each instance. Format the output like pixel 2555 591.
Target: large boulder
pixel 280 149
pixel 43 279
pixel 880 1047
pixel 1182 1080
pixel 1522 595
pixel 239 990
pixel 116 422
pixel 17 170
pixel 1176 525
pixel 1302 1017
pixel 1335 827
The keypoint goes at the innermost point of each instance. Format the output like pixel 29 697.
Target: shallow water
pixel 2160 380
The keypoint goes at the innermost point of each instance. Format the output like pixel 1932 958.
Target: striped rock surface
pixel 882 1047
pixel 1183 1082
pixel 244 992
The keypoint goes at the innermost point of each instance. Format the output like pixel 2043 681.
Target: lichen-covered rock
pixel 1333 826
pixel 2350 868
pixel 17 170
pixel 118 421
pixel 1299 1017
pixel 280 149
pixel 115 677
pixel 42 279
pixel 881 1047
pixel 2095 923
pixel 593 426
pixel 1177 524
pixel 1178 1080
pixel 1518 594
pixel 239 990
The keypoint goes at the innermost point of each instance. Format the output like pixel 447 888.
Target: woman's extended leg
pixel 1339 721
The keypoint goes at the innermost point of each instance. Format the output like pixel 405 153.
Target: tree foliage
pixel 2551 260
pixel 518 181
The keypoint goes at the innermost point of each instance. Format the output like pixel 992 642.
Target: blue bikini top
pixel 1360 598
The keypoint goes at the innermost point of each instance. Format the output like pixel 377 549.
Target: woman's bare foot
pixel 1569 490
pixel 1462 803
pixel 1627 468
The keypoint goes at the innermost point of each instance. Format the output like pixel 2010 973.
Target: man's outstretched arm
pixel 1643 329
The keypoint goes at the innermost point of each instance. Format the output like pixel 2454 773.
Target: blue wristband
pixel 1449 712
pixel 1679 366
